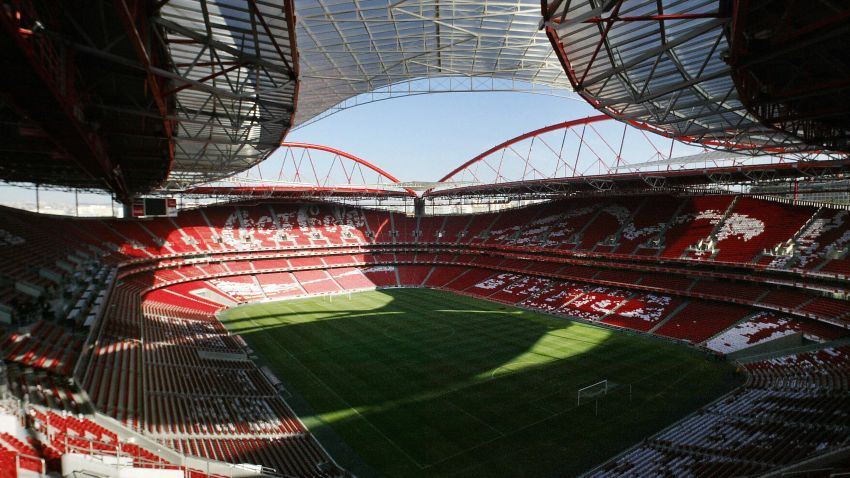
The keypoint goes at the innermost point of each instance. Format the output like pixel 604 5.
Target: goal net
pixel 596 390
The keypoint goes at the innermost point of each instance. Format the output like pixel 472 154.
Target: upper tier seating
pixel 742 229
pixel 755 225
pixel 652 216
pixel 695 220
pixel 826 233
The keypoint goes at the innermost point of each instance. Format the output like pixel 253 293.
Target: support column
pixel 419 207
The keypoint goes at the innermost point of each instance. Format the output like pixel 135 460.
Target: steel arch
pixel 596 151
pixel 508 143
pixel 315 169
pixel 339 152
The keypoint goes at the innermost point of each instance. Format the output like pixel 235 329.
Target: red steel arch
pixel 339 152
pixel 522 137
pixel 583 147
pixel 310 169
pixel 597 150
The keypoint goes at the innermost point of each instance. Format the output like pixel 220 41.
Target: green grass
pixel 423 383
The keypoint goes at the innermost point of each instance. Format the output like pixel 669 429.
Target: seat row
pixel 787 412
pixel 173 372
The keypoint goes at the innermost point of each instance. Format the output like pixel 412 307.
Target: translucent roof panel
pixel 659 62
pixel 232 74
pixel 350 47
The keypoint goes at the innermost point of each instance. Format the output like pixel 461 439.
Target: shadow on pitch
pixel 460 385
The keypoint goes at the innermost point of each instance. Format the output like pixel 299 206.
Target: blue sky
pixel 414 138
pixel 423 137
pixel 420 137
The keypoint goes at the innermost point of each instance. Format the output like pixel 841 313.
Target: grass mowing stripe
pixel 425 383
pixel 554 415
pixel 333 392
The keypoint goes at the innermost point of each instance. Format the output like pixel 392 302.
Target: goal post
pixel 592 391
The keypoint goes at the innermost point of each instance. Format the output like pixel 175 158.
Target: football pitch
pixel 425 383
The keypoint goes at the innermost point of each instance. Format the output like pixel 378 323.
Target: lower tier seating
pixel 792 408
pixel 767 326
pixel 701 320
pixel 177 375
pixel 18 455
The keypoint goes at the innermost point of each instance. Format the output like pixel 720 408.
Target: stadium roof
pixel 701 71
pixel 134 94
pixel 234 83
pixel 122 95
pixel 669 73
pixel 351 47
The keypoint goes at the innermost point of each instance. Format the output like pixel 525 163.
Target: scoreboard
pixel 154 207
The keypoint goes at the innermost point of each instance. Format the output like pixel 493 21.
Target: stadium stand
pixel 695 221
pixel 643 311
pixel 766 326
pixel 792 407
pixel 158 361
pixel 730 243
pixel 701 320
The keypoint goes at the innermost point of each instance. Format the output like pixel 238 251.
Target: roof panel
pixel 357 46
pixel 662 63
pixel 233 79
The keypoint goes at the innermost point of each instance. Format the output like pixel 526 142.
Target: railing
pixel 800 202
pixel 81 370
pixel 19 468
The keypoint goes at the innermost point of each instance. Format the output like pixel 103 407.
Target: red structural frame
pixel 547 10
pixel 134 14
pixel 339 152
pixel 51 80
pixel 134 17
pixel 537 132
pixel 636 180
pixel 282 191
pixel 630 181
